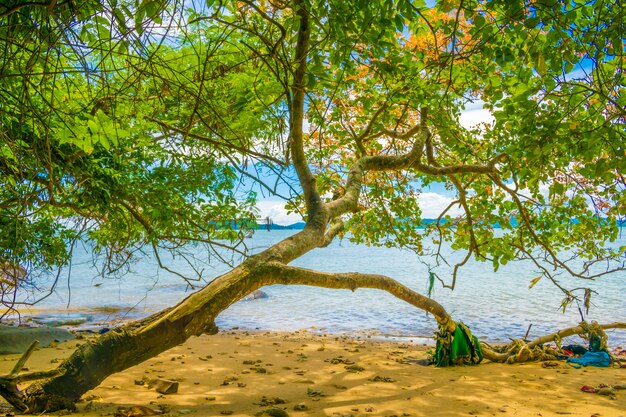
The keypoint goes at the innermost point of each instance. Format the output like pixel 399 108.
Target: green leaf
pixel 479 21
pixel 104 141
pixel 532 22
pixel 122 47
pixel 93 126
pixel 152 8
pixel 103 27
pixel 495 81
pixel 399 21
pixel 558 188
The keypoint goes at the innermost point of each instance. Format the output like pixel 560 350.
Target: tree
pixel 133 133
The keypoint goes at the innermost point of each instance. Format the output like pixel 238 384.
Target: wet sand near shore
pixel 241 373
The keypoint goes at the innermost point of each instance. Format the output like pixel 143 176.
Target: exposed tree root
pixel 520 351
pixel 570 331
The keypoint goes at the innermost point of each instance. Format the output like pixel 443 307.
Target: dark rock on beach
pixel 164 386
pixel 18 339
pixel 255 295
pixel 275 412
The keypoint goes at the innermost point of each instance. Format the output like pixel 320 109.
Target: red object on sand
pixel 587 388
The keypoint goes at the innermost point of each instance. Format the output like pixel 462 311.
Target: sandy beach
pixel 241 373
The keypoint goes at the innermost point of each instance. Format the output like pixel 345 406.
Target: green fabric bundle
pixel 458 348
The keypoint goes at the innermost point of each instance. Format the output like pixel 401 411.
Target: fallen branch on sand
pixel 520 351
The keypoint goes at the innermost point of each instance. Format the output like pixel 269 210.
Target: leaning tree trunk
pixel 136 342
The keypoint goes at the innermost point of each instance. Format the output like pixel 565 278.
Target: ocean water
pixel 496 305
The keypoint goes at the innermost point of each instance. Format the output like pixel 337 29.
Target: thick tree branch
pixel 398 135
pixel 410 160
pixel 570 331
pixel 277 273
pixel 519 351
pixel 296 127
pixel 337 226
pixel 8 383
pixel 348 202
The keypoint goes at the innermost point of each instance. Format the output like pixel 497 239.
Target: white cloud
pixel 275 210
pixel 474 116
pixel 432 204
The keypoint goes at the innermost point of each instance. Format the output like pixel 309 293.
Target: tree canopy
pixel 151 124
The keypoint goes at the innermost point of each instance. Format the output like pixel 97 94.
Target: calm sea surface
pixel 496 306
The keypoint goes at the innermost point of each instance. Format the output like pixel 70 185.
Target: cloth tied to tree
pixel 600 359
pixel 598 346
pixel 458 348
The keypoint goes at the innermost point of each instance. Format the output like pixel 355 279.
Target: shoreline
pixel 242 373
pixel 512 305
pixel 102 319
